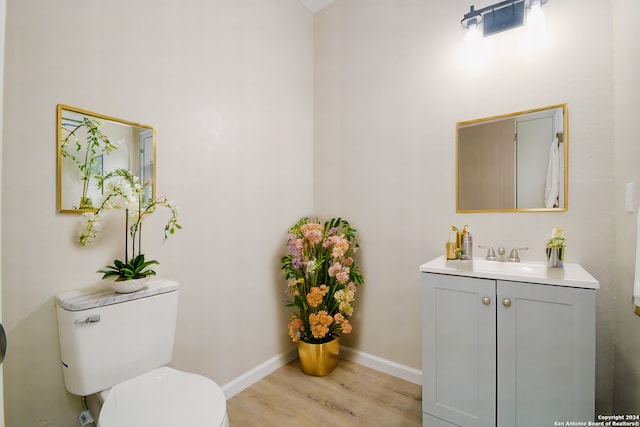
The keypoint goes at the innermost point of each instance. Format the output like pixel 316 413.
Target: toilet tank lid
pixel 100 296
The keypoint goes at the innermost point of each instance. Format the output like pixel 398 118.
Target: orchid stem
pixel 126 236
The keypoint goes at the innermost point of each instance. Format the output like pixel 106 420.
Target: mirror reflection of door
pixel 486 167
pixel 146 166
pixel 532 160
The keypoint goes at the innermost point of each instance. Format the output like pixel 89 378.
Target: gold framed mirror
pixel 90 145
pixel 516 162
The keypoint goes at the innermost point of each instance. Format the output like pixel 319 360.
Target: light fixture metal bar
pixel 496 17
pixel 475 12
pixel 503 18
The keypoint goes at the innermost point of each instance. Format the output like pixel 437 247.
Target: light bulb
pixel 536 19
pixel 536 28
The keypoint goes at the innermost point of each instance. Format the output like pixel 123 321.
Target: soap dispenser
pixel 467 244
pixel 458 245
pixel 451 246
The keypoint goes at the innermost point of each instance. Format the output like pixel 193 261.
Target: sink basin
pixel 529 269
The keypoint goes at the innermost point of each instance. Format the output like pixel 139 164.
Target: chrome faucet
pixel 513 256
pixel 501 254
pixel 491 254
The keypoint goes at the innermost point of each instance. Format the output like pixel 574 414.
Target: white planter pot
pixel 127 286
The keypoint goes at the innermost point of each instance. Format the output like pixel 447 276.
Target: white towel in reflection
pixel 636 276
pixel 552 187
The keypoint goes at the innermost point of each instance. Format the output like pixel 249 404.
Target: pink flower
pixel 339 245
pixel 313 236
pixel 343 276
pixel 335 269
pixel 312 232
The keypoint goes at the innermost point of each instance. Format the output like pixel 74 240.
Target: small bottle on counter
pixel 467 244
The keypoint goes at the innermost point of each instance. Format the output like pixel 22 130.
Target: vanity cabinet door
pixel 546 354
pixel 459 351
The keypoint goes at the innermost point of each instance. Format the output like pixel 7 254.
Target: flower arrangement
pixel 555 248
pixel 322 279
pixel 123 190
pixel 556 239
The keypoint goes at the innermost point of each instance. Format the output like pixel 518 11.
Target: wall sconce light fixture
pixel 499 17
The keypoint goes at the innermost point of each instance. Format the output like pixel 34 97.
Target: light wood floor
pixel 352 395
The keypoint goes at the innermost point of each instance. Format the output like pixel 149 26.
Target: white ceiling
pixel 316 5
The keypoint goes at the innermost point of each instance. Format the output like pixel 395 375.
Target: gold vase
pixel 318 359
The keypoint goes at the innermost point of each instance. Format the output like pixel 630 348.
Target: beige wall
pixel 228 85
pixel 627 169
pixel 392 79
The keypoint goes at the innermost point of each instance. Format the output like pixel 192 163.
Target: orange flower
pixel 345 326
pixel 295 325
pixel 315 295
pixel 320 323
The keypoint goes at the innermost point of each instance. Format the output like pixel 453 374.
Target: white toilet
pixel 116 345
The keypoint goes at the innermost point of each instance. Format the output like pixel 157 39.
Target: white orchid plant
pixel 123 190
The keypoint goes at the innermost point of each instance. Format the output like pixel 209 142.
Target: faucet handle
pixel 491 254
pixel 501 256
pixel 513 256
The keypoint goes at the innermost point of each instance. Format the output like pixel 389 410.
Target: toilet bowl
pixel 165 397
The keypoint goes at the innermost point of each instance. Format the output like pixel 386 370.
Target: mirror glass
pixel 513 162
pixel 90 145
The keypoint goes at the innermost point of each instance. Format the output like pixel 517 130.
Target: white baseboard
pixel 383 365
pixel 251 377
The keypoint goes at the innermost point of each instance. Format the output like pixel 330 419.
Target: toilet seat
pixel 165 397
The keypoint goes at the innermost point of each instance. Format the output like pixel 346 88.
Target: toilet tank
pixel 107 338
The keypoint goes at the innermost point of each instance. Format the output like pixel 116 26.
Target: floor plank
pixel 352 395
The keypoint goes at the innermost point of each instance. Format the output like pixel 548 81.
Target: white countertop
pixel 572 275
pixel 99 296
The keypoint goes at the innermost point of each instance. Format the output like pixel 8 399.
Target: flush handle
pixel 89 319
pixel 486 300
pixel 506 302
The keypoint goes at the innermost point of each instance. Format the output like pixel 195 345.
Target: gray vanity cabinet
pixel 458 352
pixel 506 353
